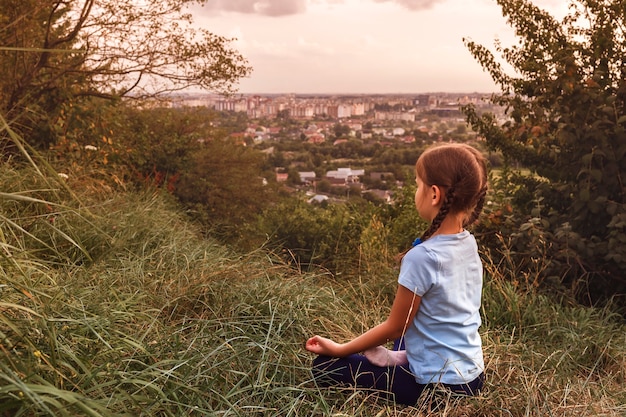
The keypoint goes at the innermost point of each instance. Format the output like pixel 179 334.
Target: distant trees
pixel 566 108
pixel 188 151
pixel 53 53
pixel 401 156
pixel 341 130
pixel 160 143
pixel 224 186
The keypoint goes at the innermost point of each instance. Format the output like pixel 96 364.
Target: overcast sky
pixel 361 46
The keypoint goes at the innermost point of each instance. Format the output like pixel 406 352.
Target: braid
pixel 441 214
pixel 480 202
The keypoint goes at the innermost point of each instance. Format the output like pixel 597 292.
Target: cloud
pixel 261 7
pixel 314 48
pixel 291 7
pixel 413 4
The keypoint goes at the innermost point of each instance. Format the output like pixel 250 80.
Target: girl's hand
pixel 403 311
pixel 323 346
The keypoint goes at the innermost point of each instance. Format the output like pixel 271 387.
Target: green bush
pixel 314 236
pixel 565 104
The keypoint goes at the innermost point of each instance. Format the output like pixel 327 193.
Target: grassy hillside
pixel 112 304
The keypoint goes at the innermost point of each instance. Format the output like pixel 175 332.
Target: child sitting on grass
pixel 435 313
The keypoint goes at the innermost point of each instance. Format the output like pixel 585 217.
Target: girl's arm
pixel 403 310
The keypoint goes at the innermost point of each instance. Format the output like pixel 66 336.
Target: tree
pixel 341 130
pixel 566 108
pixel 160 143
pixel 224 187
pixel 55 52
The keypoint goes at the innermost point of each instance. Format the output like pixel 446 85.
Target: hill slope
pixel 118 306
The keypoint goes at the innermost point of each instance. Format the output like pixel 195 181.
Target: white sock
pixel 381 356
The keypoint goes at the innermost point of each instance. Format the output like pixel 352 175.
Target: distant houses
pixel 307 177
pixel 341 176
pixel 318 199
pixel 382 195
pixel 347 175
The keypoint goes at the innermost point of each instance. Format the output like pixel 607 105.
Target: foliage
pixel 177 132
pixel 185 151
pixel 566 108
pixel 401 218
pixel 90 149
pixel 348 239
pixel 224 186
pixel 55 52
pixel 218 179
pixel 311 235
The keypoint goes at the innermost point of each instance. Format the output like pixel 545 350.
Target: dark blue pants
pixel 396 383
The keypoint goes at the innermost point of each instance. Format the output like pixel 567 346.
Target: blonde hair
pixel 461 172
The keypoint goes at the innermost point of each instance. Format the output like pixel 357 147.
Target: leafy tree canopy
pixel 565 99
pixel 53 52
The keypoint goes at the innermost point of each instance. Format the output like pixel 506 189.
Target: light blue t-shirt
pixel 443 344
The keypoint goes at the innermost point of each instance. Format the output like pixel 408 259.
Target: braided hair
pixel 461 171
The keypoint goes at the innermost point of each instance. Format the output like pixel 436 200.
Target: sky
pixel 361 46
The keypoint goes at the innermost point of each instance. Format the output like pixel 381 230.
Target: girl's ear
pixel 436 194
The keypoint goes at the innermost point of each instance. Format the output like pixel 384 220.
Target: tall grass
pixel 117 306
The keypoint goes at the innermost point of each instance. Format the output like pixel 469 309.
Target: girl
pixel 435 314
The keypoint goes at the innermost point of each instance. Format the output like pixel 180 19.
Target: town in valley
pixel 332 147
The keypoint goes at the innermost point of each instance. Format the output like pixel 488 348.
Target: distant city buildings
pixel 343 122
pixel 405 107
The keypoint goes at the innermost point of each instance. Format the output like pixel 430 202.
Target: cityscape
pixel 344 125
pixel 406 107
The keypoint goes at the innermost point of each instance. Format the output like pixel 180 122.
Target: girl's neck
pixel 451 225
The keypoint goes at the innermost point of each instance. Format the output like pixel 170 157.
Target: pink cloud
pixel 413 4
pixel 261 7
